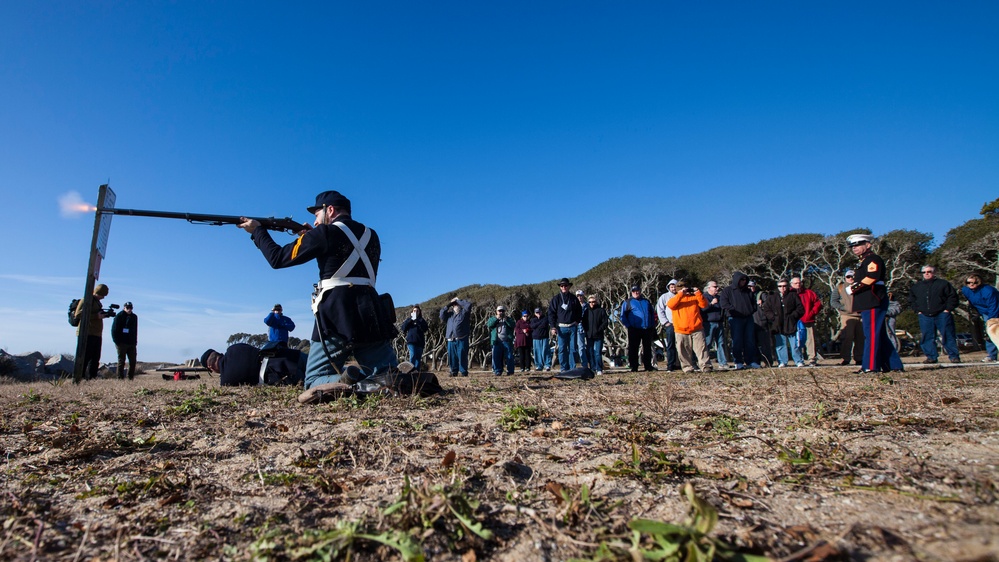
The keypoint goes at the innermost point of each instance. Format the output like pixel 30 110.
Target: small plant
pixel 689 541
pixel 577 506
pixel 518 417
pixel 659 465
pixel 33 397
pixel 437 507
pixel 203 399
pixel 803 456
pixel 725 426
pixel 338 543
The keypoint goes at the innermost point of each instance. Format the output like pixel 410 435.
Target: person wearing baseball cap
pixel 95 330
pixel 870 299
pixel 352 319
pixel 501 336
pixel 125 334
pixel 851 329
pixel 278 325
pixel 541 339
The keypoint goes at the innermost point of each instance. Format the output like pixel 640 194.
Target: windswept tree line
pixel 820 260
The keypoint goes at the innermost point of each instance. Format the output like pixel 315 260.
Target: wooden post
pixel 98 245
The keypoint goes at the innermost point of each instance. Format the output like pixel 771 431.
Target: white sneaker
pixel 799 364
pixel 754 365
pixel 781 365
pixel 988 360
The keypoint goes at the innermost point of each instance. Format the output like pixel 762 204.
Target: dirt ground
pixel 797 464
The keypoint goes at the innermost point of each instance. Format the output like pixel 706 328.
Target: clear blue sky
pixel 503 142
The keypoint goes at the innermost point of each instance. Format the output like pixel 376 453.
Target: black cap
pixel 127 305
pixel 204 357
pixel 537 310
pixel 564 281
pixel 277 307
pixel 636 289
pixel 330 198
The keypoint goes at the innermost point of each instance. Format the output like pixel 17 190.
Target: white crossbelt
pixel 338 279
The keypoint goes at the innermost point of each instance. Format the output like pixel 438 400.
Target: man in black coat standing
pixel 935 299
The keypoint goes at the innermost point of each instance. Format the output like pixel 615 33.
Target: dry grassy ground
pixel 798 464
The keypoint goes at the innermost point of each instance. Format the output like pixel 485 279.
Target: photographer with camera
pixel 95 330
pixel 689 327
pixel 125 334
pixel 501 335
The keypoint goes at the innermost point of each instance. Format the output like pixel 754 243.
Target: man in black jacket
pixel 934 300
pixel 125 334
pixel 564 314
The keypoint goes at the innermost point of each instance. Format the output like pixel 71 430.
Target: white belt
pixel 341 281
pixel 326 284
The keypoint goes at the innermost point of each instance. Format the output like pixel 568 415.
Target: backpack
pixel 74 320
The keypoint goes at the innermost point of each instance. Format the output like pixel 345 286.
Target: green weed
pixel 440 507
pixel 518 417
pixel 689 541
pixel 203 399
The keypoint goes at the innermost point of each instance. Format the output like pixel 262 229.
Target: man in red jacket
pixel 812 305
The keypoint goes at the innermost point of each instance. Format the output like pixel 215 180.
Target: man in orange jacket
pixel 687 324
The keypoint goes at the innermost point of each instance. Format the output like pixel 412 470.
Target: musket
pixel 286 224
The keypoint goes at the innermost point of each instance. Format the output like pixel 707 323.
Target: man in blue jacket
pixel 639 318
pixel 456 316
pixel 985 299
pixel 278 325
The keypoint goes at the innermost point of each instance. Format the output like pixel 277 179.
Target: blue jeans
pixel 415 354
pixel 929 326
pixel 582 347
pixel 542 354
pixel 713 335
pixel 594 354
pixel 566 347
pixel 457 356
pixel 502 352
pixel 743 339
pixel 879 353
pixel 785 341
pixel 373 358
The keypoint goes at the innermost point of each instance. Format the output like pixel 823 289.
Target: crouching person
pixel 686 306
pixel 243 364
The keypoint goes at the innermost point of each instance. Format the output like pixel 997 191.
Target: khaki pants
pixel 810 343
pixel 690 347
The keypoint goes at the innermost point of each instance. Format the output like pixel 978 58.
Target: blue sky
pixel 506 142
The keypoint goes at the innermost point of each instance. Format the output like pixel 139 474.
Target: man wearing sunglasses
pixel 934 300
pixel 985 299
pixel 851 329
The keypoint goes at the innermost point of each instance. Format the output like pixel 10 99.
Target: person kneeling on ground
pixel 243 364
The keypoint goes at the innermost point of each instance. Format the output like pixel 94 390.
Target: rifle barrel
pixel 271 223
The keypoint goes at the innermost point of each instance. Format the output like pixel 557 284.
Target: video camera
pixel 110 310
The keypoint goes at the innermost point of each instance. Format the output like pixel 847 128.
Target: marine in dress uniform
pixel 870 299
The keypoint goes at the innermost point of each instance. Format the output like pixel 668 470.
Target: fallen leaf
pixel 556 425
pixel 538 432
pixel 449 459
pixel 555 489
pixel 468 556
